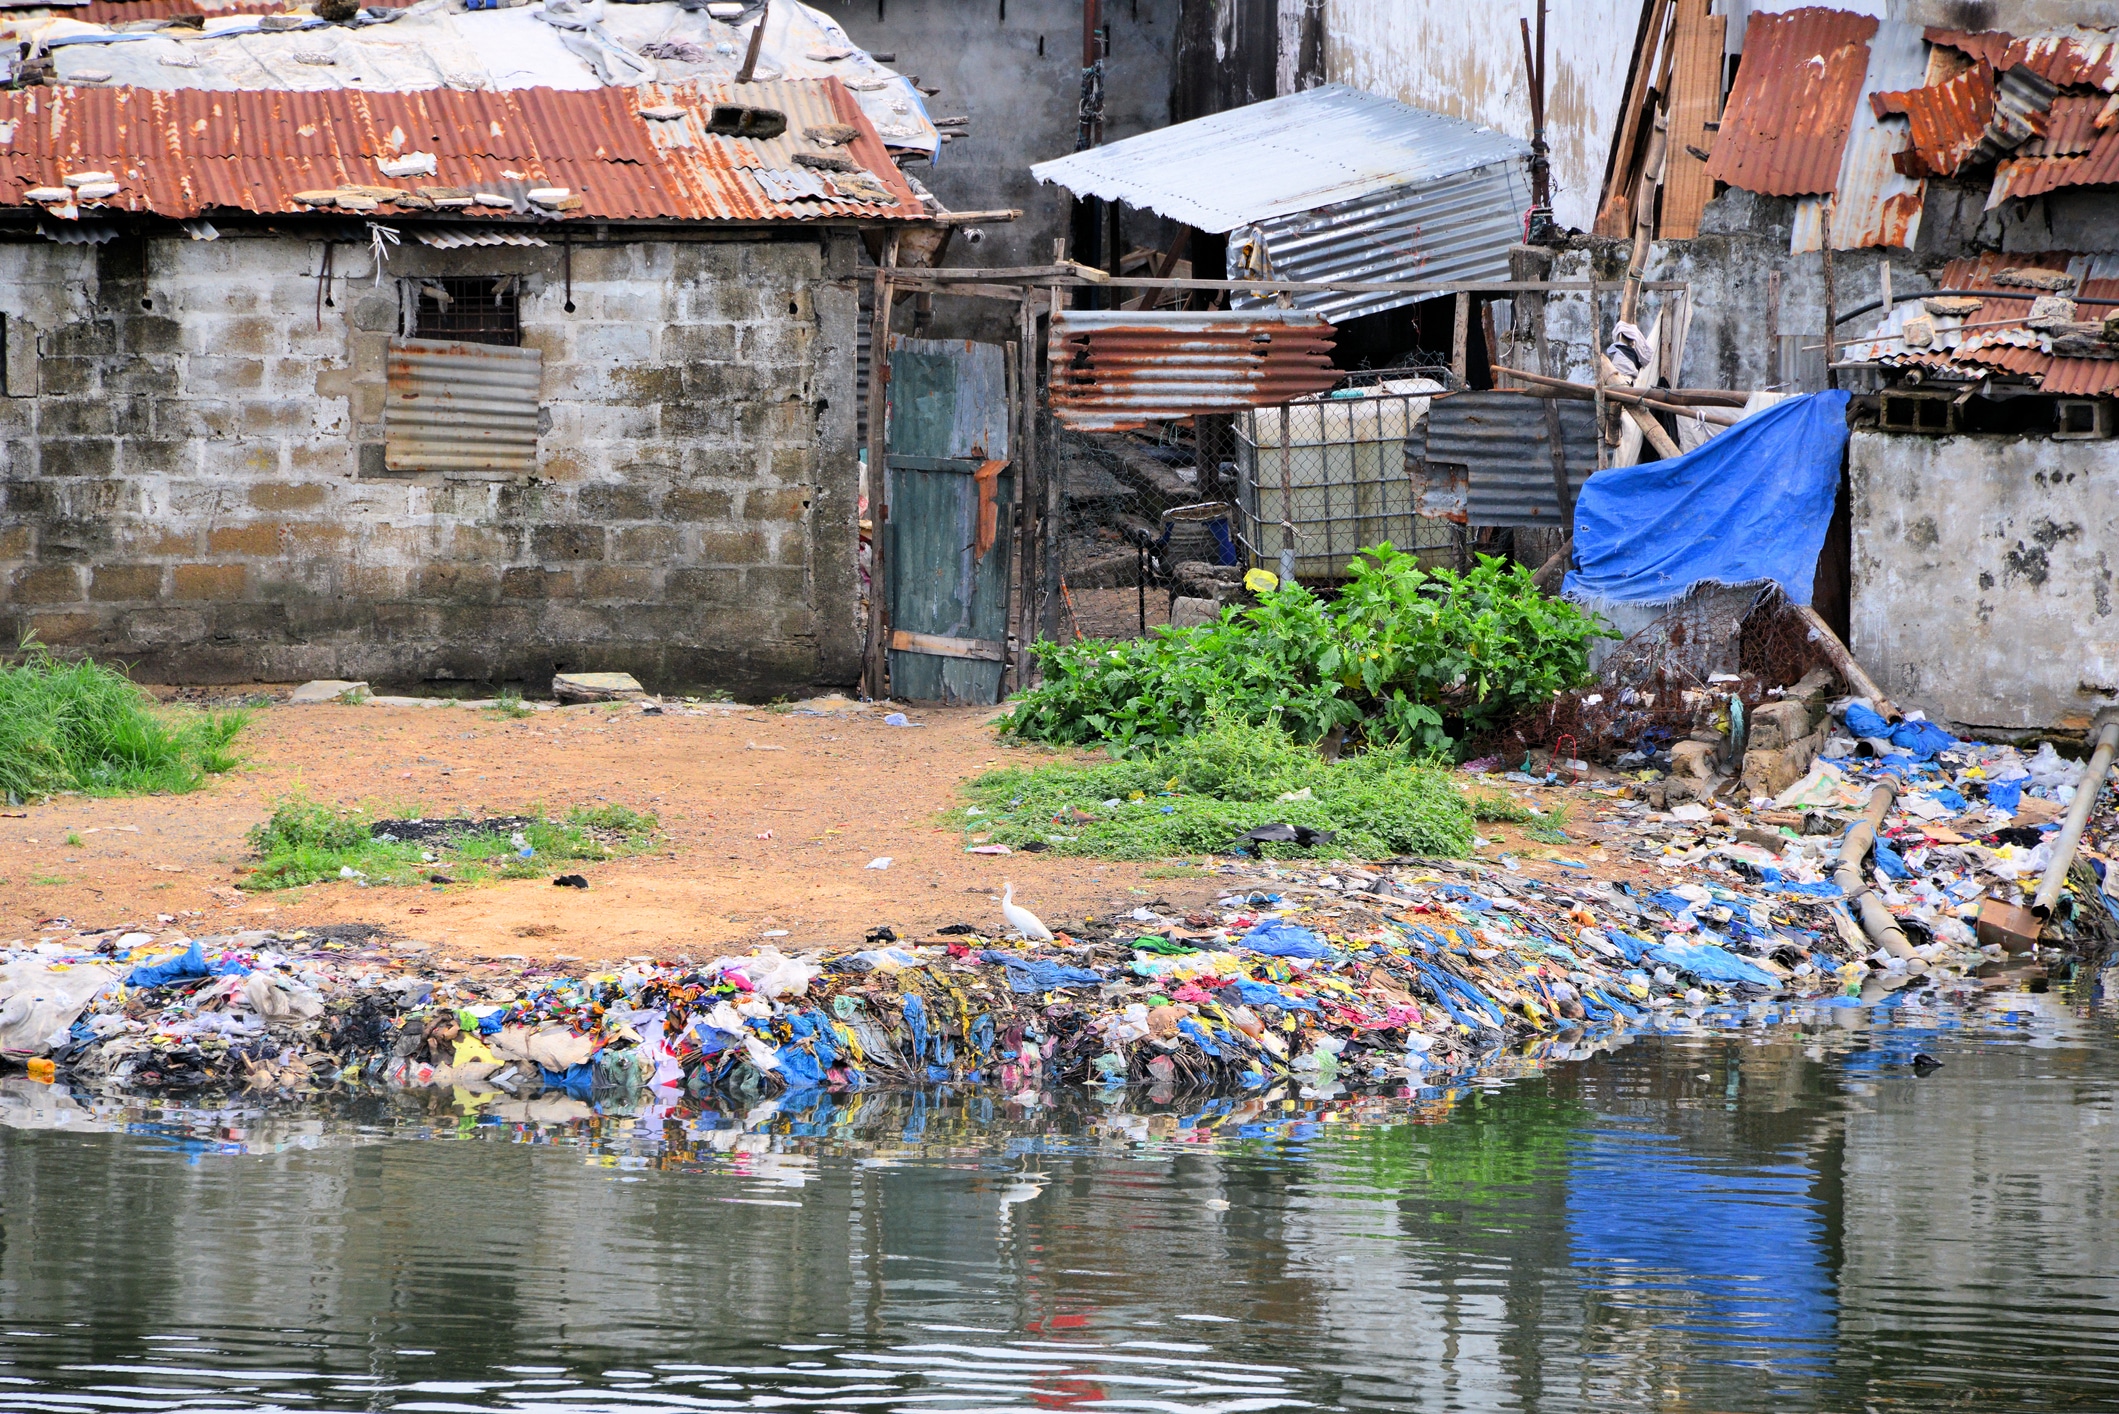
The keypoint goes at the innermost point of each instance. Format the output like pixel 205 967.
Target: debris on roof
pixel 554 44
pixel 1999 333
pixel 530 154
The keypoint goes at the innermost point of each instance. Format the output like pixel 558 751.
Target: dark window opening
pixel 474 310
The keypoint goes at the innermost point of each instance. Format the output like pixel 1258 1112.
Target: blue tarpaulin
pixel 1751 506
pixel 184 966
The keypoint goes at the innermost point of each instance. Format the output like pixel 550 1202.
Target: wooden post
pixel 1596 361
pixel 1773 330
pixel 876 678
pixel 1287 475
pixel 1055 487
pixel 1030 488
pixel 757 42
pixel 1461 336
pixel 1493 341
pixel 1887 288
pixel 1831 305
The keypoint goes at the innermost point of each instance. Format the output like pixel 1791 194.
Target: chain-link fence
pixel 1182 510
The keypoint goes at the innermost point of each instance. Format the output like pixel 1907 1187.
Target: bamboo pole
pixel 876 678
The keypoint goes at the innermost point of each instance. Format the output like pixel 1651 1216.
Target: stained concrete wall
pixel 1983 575
pixel 195 485
pixel 1014 67
pixel 1467 61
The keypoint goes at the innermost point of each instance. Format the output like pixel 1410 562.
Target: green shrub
pixel 1196 795
pixel 1404 657
pixel 84 727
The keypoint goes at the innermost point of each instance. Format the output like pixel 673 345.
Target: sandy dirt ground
pixel 772 818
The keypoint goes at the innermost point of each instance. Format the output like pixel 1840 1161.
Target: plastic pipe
pixel 1876 920
pixel 2078 815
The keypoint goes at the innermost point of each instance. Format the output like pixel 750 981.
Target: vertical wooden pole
pixel 1596 362
pixel 1030 490
pixel 1055 477
pixel 1831 305
pixel 1460 336
pixel 1773 330
pixel 875 681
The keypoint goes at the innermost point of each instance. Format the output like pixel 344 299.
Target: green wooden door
pixel 950 510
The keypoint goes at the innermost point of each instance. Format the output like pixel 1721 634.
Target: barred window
pixel 474 310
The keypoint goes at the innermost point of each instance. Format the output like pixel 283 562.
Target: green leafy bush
pixel 84 727
pixel 1197 794
pixel 1404 656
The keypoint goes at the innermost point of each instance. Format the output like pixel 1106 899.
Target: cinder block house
pixel 437 386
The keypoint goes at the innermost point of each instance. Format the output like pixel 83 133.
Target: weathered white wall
pixel 1466 59
pixel 1983 575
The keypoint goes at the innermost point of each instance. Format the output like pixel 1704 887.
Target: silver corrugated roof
pixel 1457 227
pixel 1281 157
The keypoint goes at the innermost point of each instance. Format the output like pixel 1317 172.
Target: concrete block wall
pixel 1983 572
pixel 195 482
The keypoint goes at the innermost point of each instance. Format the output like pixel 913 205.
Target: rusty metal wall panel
pixel 1945 122
pixel 1454 228
pixel 1503 442
pixel 2064 57
pixel 1874 204
pixel 1785 128
pixel 186 152
pixel 461 407
pixel 1118 369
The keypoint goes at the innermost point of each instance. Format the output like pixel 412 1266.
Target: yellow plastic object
pixel 42 1070
pixel 1261 581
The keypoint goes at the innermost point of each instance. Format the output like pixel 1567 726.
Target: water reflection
pixel 1766 1210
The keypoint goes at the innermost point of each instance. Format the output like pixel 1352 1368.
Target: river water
pixel 1770 1211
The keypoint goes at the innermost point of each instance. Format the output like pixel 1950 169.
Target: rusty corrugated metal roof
pixel 1993 337
pixel 1789 114
pixel 187 152
pixel 2025 175
pixel 2064 57
pixel 1119 369
pixel 1945 121
pixel 118 12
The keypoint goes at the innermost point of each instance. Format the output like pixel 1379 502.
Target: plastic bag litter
pixel 184 966
pixel 39 1002
pixel 277 999
pixel 1277 937
pixel 2051 770
pixel 1822 785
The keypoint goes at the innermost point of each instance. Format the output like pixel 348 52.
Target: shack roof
pixel 400 47
pixel 1284 156
pixel 1995 337
pixel 190 152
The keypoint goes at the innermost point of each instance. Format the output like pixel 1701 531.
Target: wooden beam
pixel 981 650
pixel 876 678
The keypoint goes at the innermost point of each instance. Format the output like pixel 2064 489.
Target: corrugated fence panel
pixel 1117 369
pixel 461 407
pixel 1455 228
pixel 1503 442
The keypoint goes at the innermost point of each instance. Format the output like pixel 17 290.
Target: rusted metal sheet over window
pixel 1503 440
pixel 461 407
pixel 1786 124
pixel 1116 369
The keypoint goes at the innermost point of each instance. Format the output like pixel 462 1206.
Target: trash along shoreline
pixel 1325 976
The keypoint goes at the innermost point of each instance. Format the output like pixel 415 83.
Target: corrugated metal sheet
pixel 2070 127
pixel 1785 127
pixel 1118 369
pixel 1453 228
pixel 2065 57
pixel 1991 338
pixel 1874 203
pixel 1503 441
pixel 461 407
pixel 457 240
pixel 118 12
pixel 186 152
pixel 1945 121
pixel 2027 175
pixel 1328 146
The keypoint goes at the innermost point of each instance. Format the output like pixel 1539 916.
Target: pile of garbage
pixel 1879 867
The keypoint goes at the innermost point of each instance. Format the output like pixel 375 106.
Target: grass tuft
pixel 85 727
pixel 1198 794
pixel 305 842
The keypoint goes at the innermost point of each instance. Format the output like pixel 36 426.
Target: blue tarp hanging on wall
pixel 1750 506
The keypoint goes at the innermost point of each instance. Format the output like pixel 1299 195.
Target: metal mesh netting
pixel 1671 678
